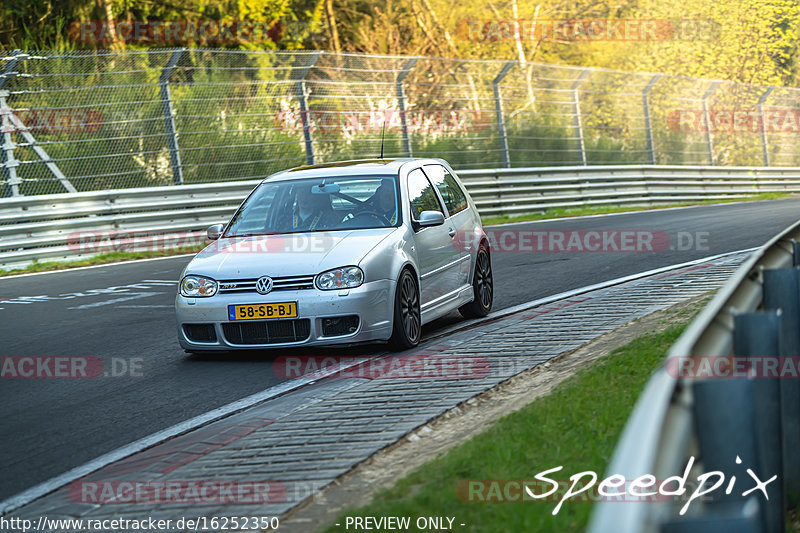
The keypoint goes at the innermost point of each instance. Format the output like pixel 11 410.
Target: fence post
pixel 166 106
pixel 498 108
pixel 401 102
pixel 10 164
pixel 10 179
pixel 300 90
pixel 576 109
pixel 648 127
pixel 707 121
pixel 764 147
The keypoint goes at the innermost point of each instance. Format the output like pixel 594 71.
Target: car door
pixel 459 221
pixel 433 244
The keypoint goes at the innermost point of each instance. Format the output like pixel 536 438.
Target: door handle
pixel 451 232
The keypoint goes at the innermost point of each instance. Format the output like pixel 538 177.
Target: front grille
pixel 335 326
pixel 267 331
pixel 200 332
pixel 285 283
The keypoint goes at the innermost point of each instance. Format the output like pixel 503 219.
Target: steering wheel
pixel 376 214
pixel 369 213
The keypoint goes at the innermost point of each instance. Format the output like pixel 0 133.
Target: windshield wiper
pixel 250 234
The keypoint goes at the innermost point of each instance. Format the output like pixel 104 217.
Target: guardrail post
pixel 300 90
pixel 576 109
pixel 707 121
pixel 166 106
pixel 648 127
pixel 764 146
pixel 782 291
pixel 10 179
pixel 498 108
pixel 723 435
pixel 758 335
pixel 401 102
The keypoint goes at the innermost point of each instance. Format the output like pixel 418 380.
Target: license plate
pixel 262 311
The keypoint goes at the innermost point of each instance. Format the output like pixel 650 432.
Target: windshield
pixel 318 204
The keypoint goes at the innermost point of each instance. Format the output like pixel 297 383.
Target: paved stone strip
pixel 285 450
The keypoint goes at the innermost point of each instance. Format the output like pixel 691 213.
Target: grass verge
pixel 576 426
pixel 591 210
pixel 116 257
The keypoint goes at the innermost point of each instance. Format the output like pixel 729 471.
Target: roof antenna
pixel 383 130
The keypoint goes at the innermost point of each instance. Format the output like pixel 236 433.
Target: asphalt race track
pixel 122 314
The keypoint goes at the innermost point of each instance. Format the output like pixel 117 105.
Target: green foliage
pixel 751 41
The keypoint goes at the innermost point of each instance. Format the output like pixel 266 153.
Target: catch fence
pixel 99 120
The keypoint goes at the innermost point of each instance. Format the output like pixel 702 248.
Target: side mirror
pixel 213 232
pixel 430 218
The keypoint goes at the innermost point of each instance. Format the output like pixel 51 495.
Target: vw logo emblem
pixel 264 285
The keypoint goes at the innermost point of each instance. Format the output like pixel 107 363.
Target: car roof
pixel 374 167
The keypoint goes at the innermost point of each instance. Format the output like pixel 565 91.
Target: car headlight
pixel 198 287
pixel 340 278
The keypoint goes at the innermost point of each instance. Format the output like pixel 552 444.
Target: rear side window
pixel 421 194
pixel 454 197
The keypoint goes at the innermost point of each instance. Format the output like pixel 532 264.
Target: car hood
pixel 293 254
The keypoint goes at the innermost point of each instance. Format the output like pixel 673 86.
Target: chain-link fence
pixel 100 120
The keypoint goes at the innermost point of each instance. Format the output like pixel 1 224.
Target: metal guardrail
pixel 71 226
pixel 718 420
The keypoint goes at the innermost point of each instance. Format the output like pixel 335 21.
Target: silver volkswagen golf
pixel 338 253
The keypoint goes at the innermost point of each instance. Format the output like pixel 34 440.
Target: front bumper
pixel 372 302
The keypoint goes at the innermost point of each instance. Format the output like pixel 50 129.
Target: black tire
pixel 482 287
pixel 407 323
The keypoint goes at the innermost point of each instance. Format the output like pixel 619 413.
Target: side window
pixel 454 197
pixel 421 194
